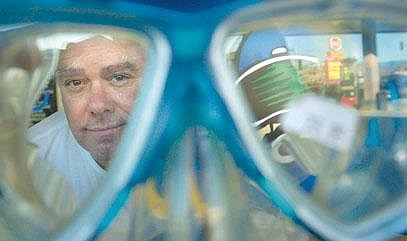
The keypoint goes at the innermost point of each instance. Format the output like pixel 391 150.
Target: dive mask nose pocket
pixel 323 98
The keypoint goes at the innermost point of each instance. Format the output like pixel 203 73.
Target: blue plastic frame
pixel 190 96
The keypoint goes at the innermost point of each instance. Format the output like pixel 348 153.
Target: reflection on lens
pixel 73 87
pixel 329 100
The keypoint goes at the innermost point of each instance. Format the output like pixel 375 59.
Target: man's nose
pixel 100 100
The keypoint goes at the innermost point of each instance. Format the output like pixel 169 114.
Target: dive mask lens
pixel 324 84
pixel 43 67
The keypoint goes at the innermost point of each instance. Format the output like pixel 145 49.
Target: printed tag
pixel 322 120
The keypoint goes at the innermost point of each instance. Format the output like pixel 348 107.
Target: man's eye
pixel 121 78
pixel 74 84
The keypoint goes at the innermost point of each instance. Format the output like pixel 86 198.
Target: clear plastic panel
pixel 47 72
pixel 328 97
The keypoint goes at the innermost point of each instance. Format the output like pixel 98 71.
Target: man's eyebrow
pixel 108 70
pixel 68 72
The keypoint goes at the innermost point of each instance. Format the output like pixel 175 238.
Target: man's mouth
pixel 104 128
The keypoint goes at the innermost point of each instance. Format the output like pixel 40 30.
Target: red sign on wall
pixel 335 43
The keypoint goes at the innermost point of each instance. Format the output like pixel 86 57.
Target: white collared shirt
pixel 57 145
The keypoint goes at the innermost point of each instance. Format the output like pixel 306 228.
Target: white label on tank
pixel 322 120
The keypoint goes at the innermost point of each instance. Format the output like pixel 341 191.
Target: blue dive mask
pixel 276 120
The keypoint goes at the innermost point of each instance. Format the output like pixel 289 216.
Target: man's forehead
pixel 100 51
pixel 101 46
pixel 98 41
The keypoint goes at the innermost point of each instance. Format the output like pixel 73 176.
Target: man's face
pixel 98 79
